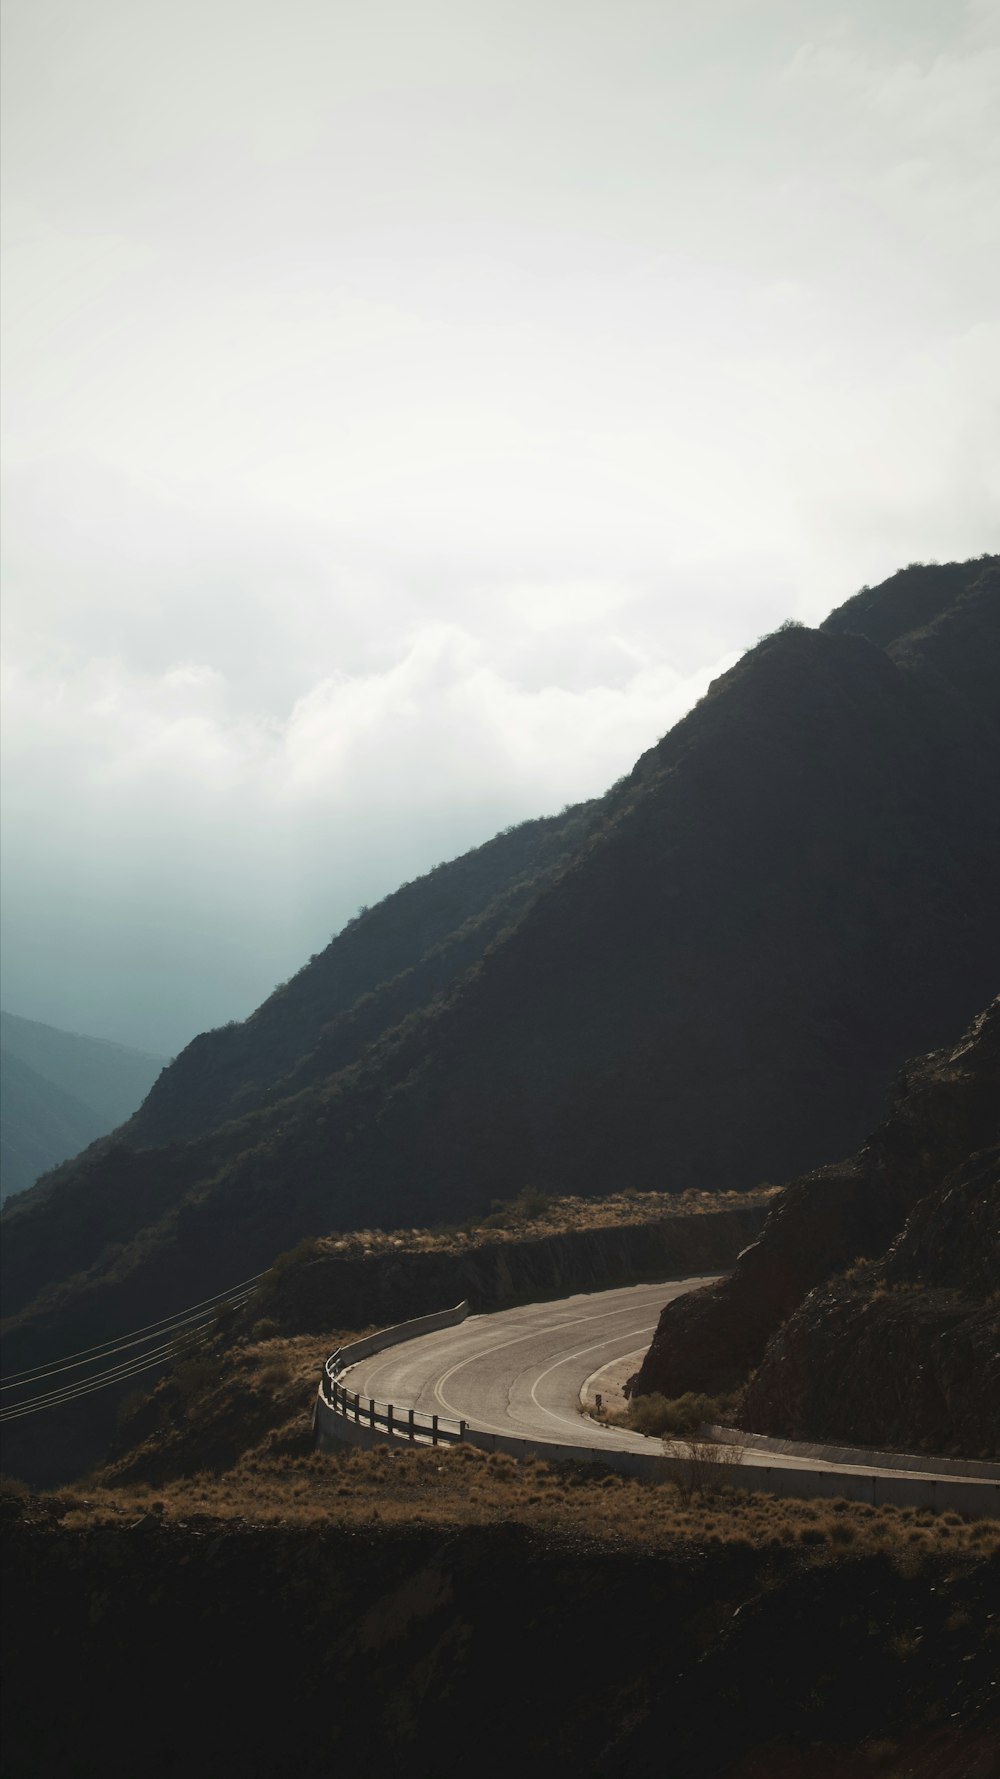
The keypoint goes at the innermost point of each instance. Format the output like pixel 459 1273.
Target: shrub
pixel 275 1374
pixel 307 1249
pixel 704 1466
pixel 677 1417
pixel 192 1377
pixel 130 1406
pixel 532 1203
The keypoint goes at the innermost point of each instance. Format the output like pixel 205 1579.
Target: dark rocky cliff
pixel 904 1352
pixel 869 1302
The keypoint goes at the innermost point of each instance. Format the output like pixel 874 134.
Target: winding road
pixel 521 1371
pixel 526 1371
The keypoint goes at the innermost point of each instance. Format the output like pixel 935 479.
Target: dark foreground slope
pixel 870 1304
pixel 712 985
pixel 312 1645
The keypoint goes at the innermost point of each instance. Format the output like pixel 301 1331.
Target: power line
pixel 24 1380
pixel 118 1375
pixel 115 1341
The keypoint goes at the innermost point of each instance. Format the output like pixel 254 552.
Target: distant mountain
pixel 59 1091
pixel 708 977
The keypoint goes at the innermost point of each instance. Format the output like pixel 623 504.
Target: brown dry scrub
pixel 542 1215
pixel 463 1487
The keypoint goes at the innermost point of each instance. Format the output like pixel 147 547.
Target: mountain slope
pixel 388 962
pixel 709 980
pixel 60 1091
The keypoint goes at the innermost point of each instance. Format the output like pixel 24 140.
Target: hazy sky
pixel 410 405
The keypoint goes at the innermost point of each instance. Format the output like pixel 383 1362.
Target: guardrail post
pixel 357 1406
pixel 461 1429
pixel 410 1426
pixel 388 1420
pixel 434 1429
pixel 371 1411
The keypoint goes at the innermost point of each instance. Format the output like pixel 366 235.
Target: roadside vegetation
pixel 672 1417
pixel 463 1487
pixel 541 1212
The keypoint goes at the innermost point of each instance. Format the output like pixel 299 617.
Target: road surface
pixel 524 1371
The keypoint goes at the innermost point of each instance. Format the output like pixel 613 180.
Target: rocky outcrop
pixel 819 1223
pixel 902 1352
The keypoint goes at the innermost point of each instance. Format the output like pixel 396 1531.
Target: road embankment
pixel 342 1282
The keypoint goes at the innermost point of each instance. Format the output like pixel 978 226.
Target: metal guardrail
pixel 383 1417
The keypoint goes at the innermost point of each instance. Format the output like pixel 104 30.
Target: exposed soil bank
pixel 169 1649
pixel 338 1283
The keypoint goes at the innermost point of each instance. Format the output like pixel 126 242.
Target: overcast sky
pixel 411 405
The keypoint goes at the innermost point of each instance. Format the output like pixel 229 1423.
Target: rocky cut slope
pixel 707 979
pixel 868 1311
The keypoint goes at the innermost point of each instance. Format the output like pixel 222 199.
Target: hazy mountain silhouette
pixel 708 977
pixel 58 1092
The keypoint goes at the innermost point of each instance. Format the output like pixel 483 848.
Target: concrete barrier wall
pixel 394 1336
pixel 852 1454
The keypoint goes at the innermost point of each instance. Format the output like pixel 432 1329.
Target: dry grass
pixel 548 1216
pixel 461 1487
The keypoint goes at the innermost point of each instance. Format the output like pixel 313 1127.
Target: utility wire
pixel 149 1328
pixel 25 1381
pixel 86 1388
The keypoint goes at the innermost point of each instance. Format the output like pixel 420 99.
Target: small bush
pixel 192 1378
pixel 309 1248
pixel 531 1203
pixel 676 1417
pixel 266 1329
pixel 275 1374
pixel 130 1406
pixel 704 1468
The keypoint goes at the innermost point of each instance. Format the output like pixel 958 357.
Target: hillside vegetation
pixel 706 979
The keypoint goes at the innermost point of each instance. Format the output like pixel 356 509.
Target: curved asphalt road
pixel 522 1371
